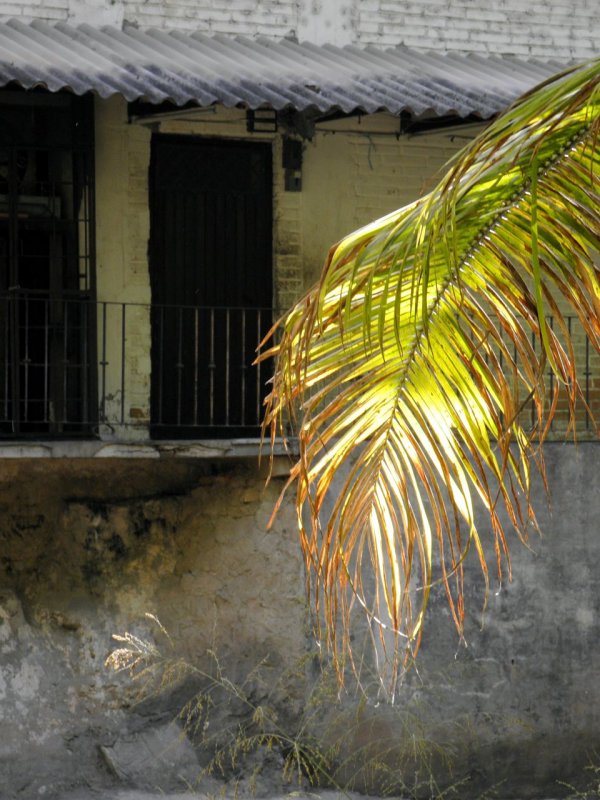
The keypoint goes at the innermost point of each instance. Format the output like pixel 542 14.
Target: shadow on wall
pixel 86 547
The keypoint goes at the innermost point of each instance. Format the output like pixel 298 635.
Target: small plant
pixel 592 786
pixel 244 729
pixel 223 718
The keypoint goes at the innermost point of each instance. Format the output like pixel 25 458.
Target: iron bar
pixel 243 368
pixel 161 329
pixel 259 382
pixel 6 340
pixel 227 367
pixel 550 372
pixel 211 369
pixel 179 366
pixel 587 373
pixel 103 365
pixel 534 415
pixel 25 363
pixel 84 323
pixel 46 359
pixel 65 367
pixel 123 359
pixel 196 365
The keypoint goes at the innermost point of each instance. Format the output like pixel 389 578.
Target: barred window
pixel 46 263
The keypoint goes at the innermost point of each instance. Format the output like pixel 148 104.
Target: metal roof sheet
pixel 155 65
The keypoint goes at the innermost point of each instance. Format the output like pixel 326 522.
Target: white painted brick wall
pixel 276 18
pixel 540 28
pixel 50 10
pixel 392 173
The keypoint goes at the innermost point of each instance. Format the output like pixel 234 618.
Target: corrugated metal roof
pixel 155 66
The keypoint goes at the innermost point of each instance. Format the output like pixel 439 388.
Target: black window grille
pixel 46 264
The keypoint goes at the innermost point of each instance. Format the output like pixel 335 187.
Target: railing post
pixel 6 339
pixel 63 402
pixel 211 370
pixel 123 339
pixel 179 366
pixel 196 365
pixel 25 363
pixel 227 354
pixel 244 367
pixel 46 359
pixel 103 365
pixel 587 374
pixel 161 329
pixel 258 366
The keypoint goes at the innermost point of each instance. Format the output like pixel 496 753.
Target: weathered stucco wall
pixel 86 547
pixel 353 171
pixel 543 28
pixel 360 169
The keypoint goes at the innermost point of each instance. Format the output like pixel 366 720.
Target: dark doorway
pixel 211 278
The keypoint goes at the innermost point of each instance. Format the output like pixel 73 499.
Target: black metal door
pixel 211 277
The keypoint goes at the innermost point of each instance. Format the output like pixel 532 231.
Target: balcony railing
pixel 73 367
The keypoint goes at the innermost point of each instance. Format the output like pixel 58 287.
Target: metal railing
pixel 72 367
pixel 584 420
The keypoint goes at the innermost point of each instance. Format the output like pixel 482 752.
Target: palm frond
pixel 408 364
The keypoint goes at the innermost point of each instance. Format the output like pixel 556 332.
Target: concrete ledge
pixel 205 448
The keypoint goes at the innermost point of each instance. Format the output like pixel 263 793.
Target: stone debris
pixel 158 759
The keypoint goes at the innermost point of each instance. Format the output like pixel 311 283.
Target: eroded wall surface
pixel 87 547
pixel 86 550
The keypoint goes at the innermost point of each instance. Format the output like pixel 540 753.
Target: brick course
pixel 517 27
pixel 539 28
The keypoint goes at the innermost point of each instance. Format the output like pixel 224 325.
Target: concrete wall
pixel 541 28
pixel 518 699
pixel 86 547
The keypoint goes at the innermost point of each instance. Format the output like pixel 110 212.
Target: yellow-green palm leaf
pixel 408 364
